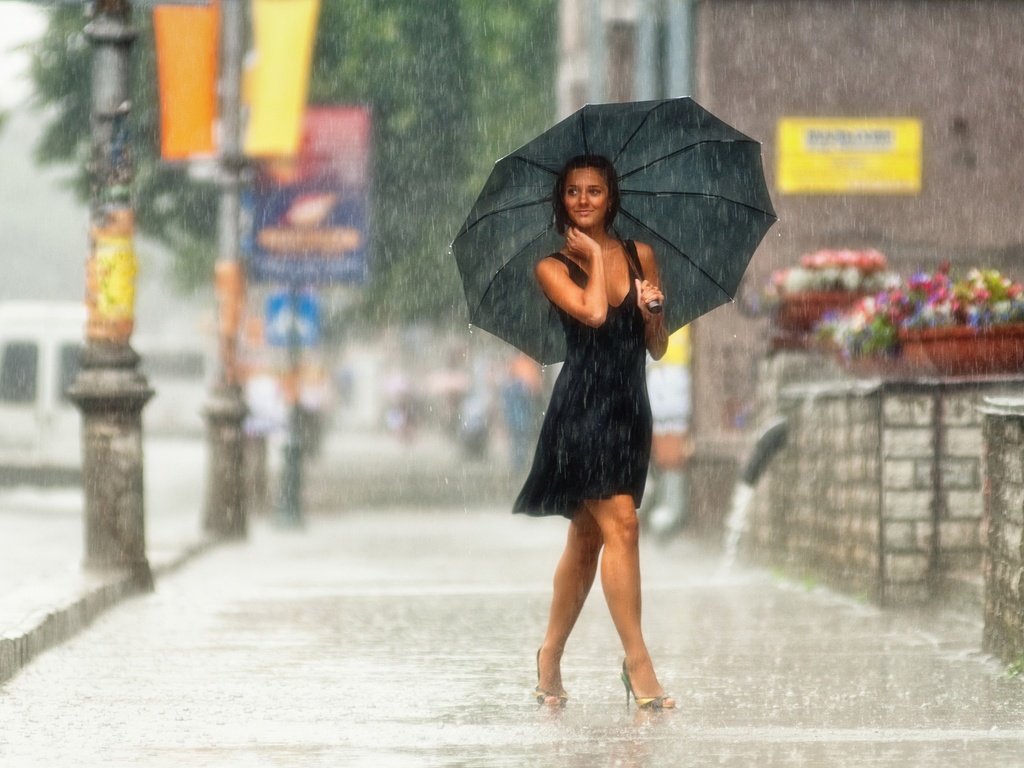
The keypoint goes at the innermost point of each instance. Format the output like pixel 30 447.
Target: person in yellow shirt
pixel 668 386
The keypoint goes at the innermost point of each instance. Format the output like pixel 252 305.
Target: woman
pixel 591 460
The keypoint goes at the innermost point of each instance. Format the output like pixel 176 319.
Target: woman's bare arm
pixel 589 304
pixel 648 289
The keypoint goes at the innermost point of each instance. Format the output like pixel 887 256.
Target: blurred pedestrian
pixel 400 409
pixel 592 454
pixel 267 415
pixel 668 385
pixel 313 403
pixel 476 412
pixel 520 393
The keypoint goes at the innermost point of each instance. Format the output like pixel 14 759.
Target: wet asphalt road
pixel 406 638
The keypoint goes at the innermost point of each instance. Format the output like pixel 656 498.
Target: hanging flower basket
pixel 963 351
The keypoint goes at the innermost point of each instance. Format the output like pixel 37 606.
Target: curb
pixel 50 627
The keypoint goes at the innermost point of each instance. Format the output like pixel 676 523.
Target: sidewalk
pixel 46 597
pixel 359 469
pixel 406 638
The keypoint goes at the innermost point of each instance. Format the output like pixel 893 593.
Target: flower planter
pixel 797 313
pixel 800 312
pixel 964 351
pixel 873 366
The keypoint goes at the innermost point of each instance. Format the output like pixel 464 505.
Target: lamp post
pixel 225 513
pixel 109 390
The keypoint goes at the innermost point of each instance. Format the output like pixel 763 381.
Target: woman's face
pixel 586 198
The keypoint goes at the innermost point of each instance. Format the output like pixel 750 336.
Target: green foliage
pixel 453 85
pixel 1016 669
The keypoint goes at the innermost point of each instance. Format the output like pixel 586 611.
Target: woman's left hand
pixel 646 293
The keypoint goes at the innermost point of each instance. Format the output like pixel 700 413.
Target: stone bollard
pixel 1004 528
pixel 110 392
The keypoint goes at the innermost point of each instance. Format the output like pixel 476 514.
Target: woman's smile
pixel 586 196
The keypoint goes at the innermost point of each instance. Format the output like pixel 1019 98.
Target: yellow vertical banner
pixel 187 53
pixel 277 82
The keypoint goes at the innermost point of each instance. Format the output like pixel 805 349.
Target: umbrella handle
pixel 654 307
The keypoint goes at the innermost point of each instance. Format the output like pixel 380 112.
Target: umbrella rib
pixel 640 125
pixel 508 261
pixel 669 243
pixel 520 206
pixel 645 193
pixel 534 163
pixel 680 151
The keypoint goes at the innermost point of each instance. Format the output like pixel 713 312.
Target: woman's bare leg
pixel 620 579
pixel 574 577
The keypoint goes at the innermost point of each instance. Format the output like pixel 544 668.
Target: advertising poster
pixel 309 220
pixel 879 156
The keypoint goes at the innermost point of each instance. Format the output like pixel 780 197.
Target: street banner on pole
pixel 187 44
pixel 309 217
pixel 277 83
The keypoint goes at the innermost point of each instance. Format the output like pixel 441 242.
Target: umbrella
pixel 692 187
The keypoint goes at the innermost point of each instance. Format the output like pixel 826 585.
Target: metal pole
pixel 225 513
pixel 679 52
pixel 597 58
pixel 645 85
pixel 109 390
pixel 289 505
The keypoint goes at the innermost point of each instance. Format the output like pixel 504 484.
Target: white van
pixel 41 344
pixel 179 373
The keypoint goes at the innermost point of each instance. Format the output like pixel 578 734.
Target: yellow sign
pixel 849 156
pixel 116 268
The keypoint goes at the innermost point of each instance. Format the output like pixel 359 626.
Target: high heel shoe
pixel 652 702
pixel 545 696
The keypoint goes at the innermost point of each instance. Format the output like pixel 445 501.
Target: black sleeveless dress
pixel 595 441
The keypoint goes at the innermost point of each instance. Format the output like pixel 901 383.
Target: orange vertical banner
pixel 187 53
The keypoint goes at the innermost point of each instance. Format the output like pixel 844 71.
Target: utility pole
pixel 226 499
pixel 109 390
pixel 680 49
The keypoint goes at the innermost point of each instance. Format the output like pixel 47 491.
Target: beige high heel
pixel 653 702
pixel 545 696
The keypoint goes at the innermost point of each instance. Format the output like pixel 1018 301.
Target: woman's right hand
pixel 581 245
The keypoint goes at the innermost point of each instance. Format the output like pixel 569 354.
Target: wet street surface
pixel 407 638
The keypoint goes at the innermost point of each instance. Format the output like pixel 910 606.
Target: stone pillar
pixel 110 392
pixel 1003 568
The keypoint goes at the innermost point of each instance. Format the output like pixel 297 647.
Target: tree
pixel 452 84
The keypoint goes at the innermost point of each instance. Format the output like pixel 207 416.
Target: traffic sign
pixel 289 313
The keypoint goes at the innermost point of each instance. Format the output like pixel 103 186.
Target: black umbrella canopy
pixel 692 187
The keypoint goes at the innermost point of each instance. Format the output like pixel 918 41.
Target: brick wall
pixel 1004 513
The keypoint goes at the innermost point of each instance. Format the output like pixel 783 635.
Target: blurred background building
pixel 942 80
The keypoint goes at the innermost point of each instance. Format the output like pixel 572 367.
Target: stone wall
pixel 1004 513
pixel 822 489
pixel 878 490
